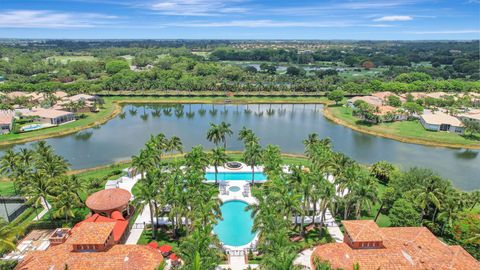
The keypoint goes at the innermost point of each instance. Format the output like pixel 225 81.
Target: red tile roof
pixel 362 230
pixel 118 230
pixel 108 199
pixel 91 233
pixel 404 248
pixel 124 257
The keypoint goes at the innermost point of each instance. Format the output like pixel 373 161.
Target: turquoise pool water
pixel 236 227
pixel 32 127
pixel 232 176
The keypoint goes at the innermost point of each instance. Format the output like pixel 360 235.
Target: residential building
pixel 396 113
pixel 441 121
pixel 106 202
pixel 472 115
pixel 399 248
pixel 384 96
pixel 6 122
pixel 60 94
pixel 91 246
pixel 372 100
pixel 49 116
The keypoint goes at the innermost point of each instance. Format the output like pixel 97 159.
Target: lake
pixel 285 125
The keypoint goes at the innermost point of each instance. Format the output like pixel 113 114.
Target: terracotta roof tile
pixel 404 248
pixel 125 257
pixel 362 230
pixel 108 199
pixel 91 233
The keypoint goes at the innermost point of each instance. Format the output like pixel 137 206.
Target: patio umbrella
pixel 165 248
pixel 153 244
pixel 173 257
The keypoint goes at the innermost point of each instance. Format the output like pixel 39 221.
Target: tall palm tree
pixel 226 131
pixel 8 235
pixel 218 157
pixel 39 190
pixel 214 134
pixel 251 156
pixel 147 193
pixel 9 164
pixel 428 194
pixel 143 162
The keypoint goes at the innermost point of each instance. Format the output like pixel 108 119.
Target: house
pixel 16 94
pixel 441 121
pixel 6 121
pixel 438 95
pixel 384 96
pixel 372 100
pixel 87 100
pixel 49 116
pixel 472 115
pixel 91 246
pixel 415 95
pixel 94 242
pixel 396 113
pixel 398 248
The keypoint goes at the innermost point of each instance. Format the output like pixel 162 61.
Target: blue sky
pixel 241 19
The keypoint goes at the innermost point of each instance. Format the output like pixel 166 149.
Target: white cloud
pixel 453 32
pixel 395 18
pixel 51 19
pixel 273 24
pixel 197 7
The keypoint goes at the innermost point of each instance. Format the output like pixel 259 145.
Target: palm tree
pixel 272 160
pixel 9 165
pixel 428 194
pixel 214 134
pixel 199 250
pixel 253 155
pixel 8 235
pixel 143 162
pixel 244 133
pixel 226 131
pixel 147 193
pixel 39 190
pixel 218 157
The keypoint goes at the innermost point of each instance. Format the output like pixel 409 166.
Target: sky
pixel 241 19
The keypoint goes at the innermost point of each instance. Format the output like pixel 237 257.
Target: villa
pixel 473 115
pixel 92 246
pixel 397 114
pixel 384 96
pixel 6 121
pixel 49 116
pixel 400 248
pixel 372 100
pixel 441 121
pixel 94 243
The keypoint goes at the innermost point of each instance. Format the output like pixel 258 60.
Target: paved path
pixel 135 233
pixel 303 258
pixel 44 211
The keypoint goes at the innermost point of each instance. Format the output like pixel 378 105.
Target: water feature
pixel 234 176
pixel 285 125
pixel 236 227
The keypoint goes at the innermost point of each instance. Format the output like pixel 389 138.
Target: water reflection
pixel 286 125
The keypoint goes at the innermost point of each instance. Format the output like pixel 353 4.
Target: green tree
pixel 336 95
pixel 404 214
pixel 116 66
pixel 218 157
pixel 252 155
pixel 215 134
pixel 8 235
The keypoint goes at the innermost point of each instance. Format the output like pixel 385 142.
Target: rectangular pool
pixel 232 176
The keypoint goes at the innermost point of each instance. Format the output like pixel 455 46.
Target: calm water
pixel 236 227
pixel 285 125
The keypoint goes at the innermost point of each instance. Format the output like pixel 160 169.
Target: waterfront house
pixel 6 121
pixel 389 113
pixel 91 246
pixel 441 121
pixel 384 96
pixel 372 100
pixel 60 94
pixel 87 100
pixel 472 115
pixel 49 116
pixel 372 248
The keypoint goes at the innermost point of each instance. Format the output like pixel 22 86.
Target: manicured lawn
pixel 409 130
pixel 6 188
pixel 90 120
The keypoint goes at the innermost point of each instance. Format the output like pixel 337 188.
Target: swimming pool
pixel 32 127
pixel 236 227
pixel 232 176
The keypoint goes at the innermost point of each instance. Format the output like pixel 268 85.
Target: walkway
pixel 136 231
pixel 44 211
